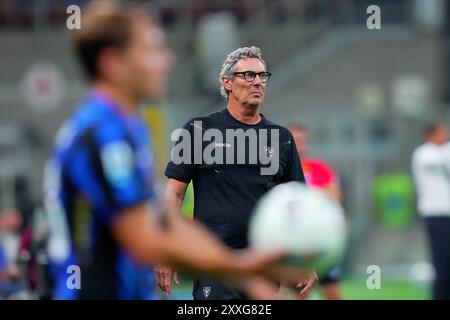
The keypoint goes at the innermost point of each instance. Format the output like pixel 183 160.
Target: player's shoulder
pixel 284 132
pixel 203 121
pixel 92 120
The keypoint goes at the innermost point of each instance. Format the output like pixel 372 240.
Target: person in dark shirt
pixel 98 184
pixel 233 157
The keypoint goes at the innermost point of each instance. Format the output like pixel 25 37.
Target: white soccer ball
pixel 305 222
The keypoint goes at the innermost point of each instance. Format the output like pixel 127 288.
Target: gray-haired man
pixel 233 157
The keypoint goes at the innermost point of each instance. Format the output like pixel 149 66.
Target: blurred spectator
pixel 17 218
pixel 10 221
pixel 431 170
pixel 13 222
pixel 320 175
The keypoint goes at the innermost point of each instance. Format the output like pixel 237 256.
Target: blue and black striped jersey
pixel 101 164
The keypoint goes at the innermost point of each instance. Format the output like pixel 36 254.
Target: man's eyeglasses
pixel 249 76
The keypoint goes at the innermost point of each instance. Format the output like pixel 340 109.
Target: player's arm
pixel 188 245
pixel 182 243
pixel 175 190
pixel 179 176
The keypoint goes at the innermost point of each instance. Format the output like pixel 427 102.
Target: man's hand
pixel 164 278
pixel 307 284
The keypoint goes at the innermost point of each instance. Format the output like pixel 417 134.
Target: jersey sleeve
pixel 181 164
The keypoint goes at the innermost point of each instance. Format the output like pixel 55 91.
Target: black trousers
pixel 213 289
pixel 438 229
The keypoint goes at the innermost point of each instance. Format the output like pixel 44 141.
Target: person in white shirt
pixel 431 171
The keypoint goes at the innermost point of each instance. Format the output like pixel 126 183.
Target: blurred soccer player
pixel 320 175
pixel 99 181
pixel 431 171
